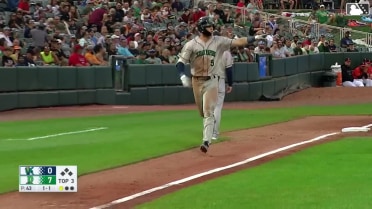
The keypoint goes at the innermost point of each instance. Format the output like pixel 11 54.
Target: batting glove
pixel 185 81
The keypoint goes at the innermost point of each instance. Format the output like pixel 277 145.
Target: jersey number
pixel 212 62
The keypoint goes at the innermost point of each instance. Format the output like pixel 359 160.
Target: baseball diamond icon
pixel 357 9
pixel 66 171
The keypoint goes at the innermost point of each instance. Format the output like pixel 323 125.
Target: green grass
pixel 334 175
pixel 129 138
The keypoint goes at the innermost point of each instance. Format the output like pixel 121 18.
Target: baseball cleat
pixel 214 138
pixel 204 147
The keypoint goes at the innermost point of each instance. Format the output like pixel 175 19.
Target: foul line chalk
pixel 131 197
pixel 60 134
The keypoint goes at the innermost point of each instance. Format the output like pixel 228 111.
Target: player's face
pixel 209 29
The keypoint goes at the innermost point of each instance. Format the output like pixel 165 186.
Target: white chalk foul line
pixel 125 199
pixel 60 134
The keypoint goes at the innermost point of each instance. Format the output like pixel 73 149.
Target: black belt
pixel 206 78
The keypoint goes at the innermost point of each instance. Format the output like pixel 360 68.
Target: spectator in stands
pixel 76 58
pixel 24 7
pixel 346 40
pixel 298 49
pixel 6 60
pixel 252 9
pixel 6 34
pixel 324 47
pixel 96 18
pixel 29 58
pixel 39 36
pixel 287 47
pixel 290 2
pixel 48 57
pixel 197 14
pixel 152 59
pixel 323 16
pixel 90 56
pixel 313 48
pixel 351 48
pixel 141 58
pixel 347 75
pixel 260 47
pixel 332 46
pixel 241 6
pixel 177 6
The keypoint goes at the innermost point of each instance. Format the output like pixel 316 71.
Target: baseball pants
pixel 205 95
pixel 355 83
pixel 219 105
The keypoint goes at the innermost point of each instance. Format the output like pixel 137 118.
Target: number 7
pixel 50 179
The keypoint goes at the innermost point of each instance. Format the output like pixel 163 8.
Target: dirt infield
pixel 106 186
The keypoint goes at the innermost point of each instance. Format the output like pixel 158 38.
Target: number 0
pixel 50 170
pixel 212 62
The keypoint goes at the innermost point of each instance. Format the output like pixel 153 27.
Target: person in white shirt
pixel 288 47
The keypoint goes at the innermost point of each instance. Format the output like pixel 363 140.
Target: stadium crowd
pixel 84 33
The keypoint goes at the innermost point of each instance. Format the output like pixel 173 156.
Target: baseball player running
pixel 222 89
pixel 204 53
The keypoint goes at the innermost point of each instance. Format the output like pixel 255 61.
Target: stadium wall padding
pixel 46 86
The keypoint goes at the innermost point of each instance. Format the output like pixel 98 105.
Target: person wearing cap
pixel 362 75
pixel 152 59
pixel 347 75
pixel 323 16
pixel 76 58
pixel 29 59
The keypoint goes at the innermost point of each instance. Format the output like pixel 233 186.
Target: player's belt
pixel 205 78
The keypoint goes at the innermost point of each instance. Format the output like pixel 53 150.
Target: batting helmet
pixel 204 23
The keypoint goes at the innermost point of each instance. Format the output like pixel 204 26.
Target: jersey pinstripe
pixel 205 58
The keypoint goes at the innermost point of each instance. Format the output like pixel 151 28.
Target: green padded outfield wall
pixel 27 87
pixel 24 87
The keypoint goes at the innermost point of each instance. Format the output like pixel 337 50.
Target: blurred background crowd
pixel 87 32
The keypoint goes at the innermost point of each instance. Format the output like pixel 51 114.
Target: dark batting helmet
pixel 204 23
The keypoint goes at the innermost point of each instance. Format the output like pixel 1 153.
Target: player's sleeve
pixel 229 59
pixel 225 43
pixel 185 54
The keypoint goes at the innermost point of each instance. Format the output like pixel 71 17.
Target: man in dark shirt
pixel 298 50
pixel 347 75
pixel 345 41
pixel 220 12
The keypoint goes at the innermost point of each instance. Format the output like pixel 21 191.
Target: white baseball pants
pixel 218 109
pixel 355 83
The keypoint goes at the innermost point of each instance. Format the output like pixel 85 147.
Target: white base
pixel 355 129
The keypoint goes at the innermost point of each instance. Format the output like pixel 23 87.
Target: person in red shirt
pixel 24 6
pixel 77 59
pixel 361 74
pixel 96 17
pixel 241 5
pixel 198 13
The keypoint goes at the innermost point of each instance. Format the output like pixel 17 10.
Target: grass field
pixel 334 175
pixel 127 138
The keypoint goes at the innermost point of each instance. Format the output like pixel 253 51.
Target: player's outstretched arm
pixel 246 40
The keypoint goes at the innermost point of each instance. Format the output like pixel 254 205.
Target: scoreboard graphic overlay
pixel 48 178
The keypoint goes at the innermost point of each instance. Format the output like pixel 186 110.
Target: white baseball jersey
pixel 228 62
pixel 205 58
